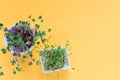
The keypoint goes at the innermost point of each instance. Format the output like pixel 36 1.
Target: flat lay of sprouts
pixel 21 38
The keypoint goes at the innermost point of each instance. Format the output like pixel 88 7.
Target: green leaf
pixel 21 46
pixel 37 62
pixel 35 39
pixel 20 21
pixel 37 35
pixel 3 51
pixel 19 55
pixel 1 25
pixel 15 54
pixel 29 16
pixel 33 19
pixel 28 43
pixel 23 58
pixel 42 20
pixel 38 43
pixel 19 69
pixel 29 37
pixel 40 17
pixel 37 26
pixel 6 29
pixel 13 62
pixel 16 24
pixel 41 53
pixel 14 71
pixel 49 30
pixel 44 40
pixel 30 53
pixel 27 28
pixel 30 63
pixel 10 46
pixel 41 34
pixel 1 73
pixel 23 22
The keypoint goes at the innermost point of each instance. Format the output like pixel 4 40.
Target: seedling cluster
pixel 54 58
pixel 21 37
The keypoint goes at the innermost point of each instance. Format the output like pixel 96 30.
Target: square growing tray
pixel 66 65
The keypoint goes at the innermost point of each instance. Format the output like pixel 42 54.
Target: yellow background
pixel 91 26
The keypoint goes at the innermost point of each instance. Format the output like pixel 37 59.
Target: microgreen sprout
pixel 54 58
